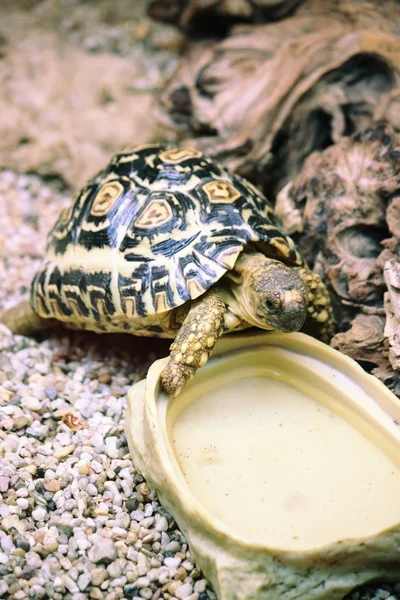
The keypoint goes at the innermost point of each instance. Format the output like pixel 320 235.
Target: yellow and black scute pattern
pixel 154 229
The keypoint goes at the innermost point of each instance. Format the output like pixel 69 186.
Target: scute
pixel 157 227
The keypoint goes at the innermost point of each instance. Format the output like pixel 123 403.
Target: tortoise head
pixel 274 296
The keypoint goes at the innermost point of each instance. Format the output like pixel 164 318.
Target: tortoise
pixel 166 242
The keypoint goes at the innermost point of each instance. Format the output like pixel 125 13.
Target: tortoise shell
pixel 154 229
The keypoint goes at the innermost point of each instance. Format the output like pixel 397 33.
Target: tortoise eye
pixel 270 305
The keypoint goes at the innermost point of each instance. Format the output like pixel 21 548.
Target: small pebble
pixel 6 544
pixel 4 483
pixel 161 524
pixel 171 561
pixel 84 581
pixel 31 403
pixel 111 447
pixel 39 514
pixel 23 503
pixel 64 451
pixel 98 576
pixel 102 551
pixel 184 591
pixel 50 543
pixel 52 485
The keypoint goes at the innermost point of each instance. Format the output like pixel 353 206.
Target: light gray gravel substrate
pixel 77 521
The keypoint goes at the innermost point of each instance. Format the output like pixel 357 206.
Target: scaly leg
pixel 320 319
pixel 195 341
pixel 21 319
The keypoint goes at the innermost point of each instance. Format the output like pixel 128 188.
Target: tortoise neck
pixel 248 265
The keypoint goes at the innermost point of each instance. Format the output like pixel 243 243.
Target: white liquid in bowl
pixel 282 469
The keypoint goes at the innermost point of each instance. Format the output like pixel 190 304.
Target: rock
pixel 143 564
pixel 173 586
pixel 39 514
pixel 4 483
pixel 21 542
pixel 102 509
pixel 131 591
pixel 200 586
pixel 70 584
pixel 23 503
pixel 96 466
pixel 170 561
pixel 31 403
pixel 184 591
pixel 102 551
pixel 51 392
pixel 12 521
pixel 83 581
pixel 114 569
pixel 20 423
pixel 142 582
pixel 50 543
pixel 64 451
pixel 123 520
pixel 6 544
pixel 132 574
pixel 111 447
pixel 131 504
pixel 52 485
pixel 98 576
pixel 161 524
pixel 33 560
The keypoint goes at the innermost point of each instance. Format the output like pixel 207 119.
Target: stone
pixel 64 451
pixel 21 542
pixel 13 521
pixel 102 551
pixel 111 447
pixel 7 544
pixel 52 485
pixel 171 561
pixel 31 403
pixel 83 581
pixel 4 483
pixel 161 524
pixel 98 576
pixel 143 564
pixel 50 543
pixel 39 514
pixel 184 591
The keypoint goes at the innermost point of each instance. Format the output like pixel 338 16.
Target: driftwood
pixel 343 209
pixel 267 96
pixel 187 13
pixel 324 82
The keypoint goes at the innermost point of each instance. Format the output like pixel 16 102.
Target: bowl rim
pixel 184 499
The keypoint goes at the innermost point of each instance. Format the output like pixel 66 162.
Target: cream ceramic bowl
pixel 280 462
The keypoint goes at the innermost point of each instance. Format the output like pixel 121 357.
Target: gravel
pixel 76 519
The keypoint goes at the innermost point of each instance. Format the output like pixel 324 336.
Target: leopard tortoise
pixel 166 242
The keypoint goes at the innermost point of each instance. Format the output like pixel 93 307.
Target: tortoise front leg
pixel 195 341
pixel 320 319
